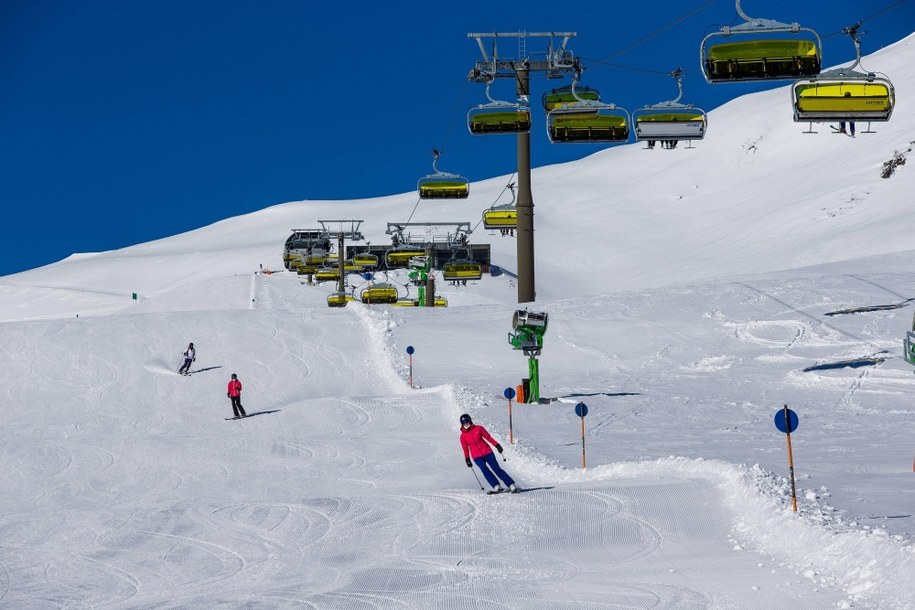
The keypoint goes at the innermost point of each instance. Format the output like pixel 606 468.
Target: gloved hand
pixel 469 463
pixel 228 395
pixel 498 447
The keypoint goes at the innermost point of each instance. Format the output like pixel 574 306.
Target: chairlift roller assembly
pixel 442 185
pixel 760 49
pixel 670 120
pixel 844 94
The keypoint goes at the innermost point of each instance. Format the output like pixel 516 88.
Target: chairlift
pixel 366 260
pixel 439 301
pixel 306 269
pixel 327 273
pixel 844 94
pixel 379 293
pixel 400 256
pixel 564 96
pixel 498 117
pixel 582 119
pixel 302 243
pixel 760 49
pixel 670 120
pixel 503 217
pixel 461 271
pixel 339 299
pixel 442 185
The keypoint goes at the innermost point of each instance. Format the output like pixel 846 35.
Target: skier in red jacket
pixel 234 393
pixel 475 440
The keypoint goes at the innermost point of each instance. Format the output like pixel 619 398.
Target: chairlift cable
pixel 414 209
pixel 877 14
pixel 458 106
pixel 883 10
pixel 655 33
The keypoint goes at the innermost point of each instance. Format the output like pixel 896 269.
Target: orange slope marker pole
pixel 583 464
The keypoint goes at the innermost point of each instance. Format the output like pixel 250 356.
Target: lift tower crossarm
pixel 558 60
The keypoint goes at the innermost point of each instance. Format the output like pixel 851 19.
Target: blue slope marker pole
pixel 410 351
pixel 786 421
pixel 581 409
pixel 509 393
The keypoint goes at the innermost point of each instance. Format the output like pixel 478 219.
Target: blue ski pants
pixel 489 465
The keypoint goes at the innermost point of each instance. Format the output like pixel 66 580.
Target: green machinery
pixel 420 266
pixel 908 345
pixel 529 326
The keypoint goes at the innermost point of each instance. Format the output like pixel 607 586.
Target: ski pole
pixel 477 478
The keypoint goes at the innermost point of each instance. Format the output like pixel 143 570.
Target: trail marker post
pixel 410 351
pixel 509 393
pixel 581 409
pixel 786 421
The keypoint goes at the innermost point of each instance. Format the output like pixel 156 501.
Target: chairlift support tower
pixel 342 230
pixel 557 63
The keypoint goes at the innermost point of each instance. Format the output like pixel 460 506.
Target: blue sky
pixel 123 122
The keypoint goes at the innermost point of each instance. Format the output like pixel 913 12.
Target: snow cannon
pixel 529 326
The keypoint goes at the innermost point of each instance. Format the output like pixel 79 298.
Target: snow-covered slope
pixel 691 294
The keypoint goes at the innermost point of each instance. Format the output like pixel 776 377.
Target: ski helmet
pixel 234 376
pixel 465 419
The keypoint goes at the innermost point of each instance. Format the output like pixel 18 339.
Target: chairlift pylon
pixel 442 185
pixel 670 120
pixel 498 116
pixel 844 94
pixel 760 49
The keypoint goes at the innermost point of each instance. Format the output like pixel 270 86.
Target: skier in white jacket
pixel 190 354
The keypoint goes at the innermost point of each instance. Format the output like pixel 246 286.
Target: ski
pixel 231 418
pixel 839 131
pixel 493 492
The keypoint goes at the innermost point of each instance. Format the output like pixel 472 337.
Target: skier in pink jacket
pixel 233 391
pixel 476 441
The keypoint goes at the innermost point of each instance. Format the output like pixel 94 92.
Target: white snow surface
pixel 689 294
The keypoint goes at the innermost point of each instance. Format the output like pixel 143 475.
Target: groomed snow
pixel 691 293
